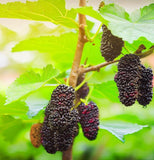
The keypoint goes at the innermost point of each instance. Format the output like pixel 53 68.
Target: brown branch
pixel 82 39
pixel 67 155
pixel 97 67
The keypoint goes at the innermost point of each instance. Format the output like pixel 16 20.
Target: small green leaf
pixel 120 128
pixel 130 27
pixel 10 127
pixel 29 82
pixel 106 90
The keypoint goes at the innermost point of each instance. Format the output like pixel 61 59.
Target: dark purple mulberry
pixel 129 62
pixel 127 79
pixel 111 46
pixel 89 119
pixel 145 86
pixel 47 138
pixel 63 96
pixel 84 90
pixel 60 124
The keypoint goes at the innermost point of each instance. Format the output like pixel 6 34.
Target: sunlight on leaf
pixel 130 27
pixel 41 10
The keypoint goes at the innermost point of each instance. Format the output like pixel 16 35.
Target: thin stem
pixel 97 32
pixel 50 85
pixel 126 49
pixel 83 82
pixel 57 80
pixel 91 39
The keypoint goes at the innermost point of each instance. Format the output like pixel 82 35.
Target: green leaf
pixel 29 82
pixel 120 128
pixel 10 127
pixel 92 13
pixel 130 27
pixel 41 10
pixel 61 48
pixel 38 100
pixel 106 90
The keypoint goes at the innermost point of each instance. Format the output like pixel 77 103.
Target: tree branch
pixel 97 67
pixel 82 39
pixel 67 155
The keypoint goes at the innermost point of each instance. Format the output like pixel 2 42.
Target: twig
pixel 97 67
pixel 146 53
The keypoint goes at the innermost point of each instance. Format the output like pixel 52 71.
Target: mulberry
pixel 145 86
pixel 130 62
pixel 128 87
pixel 127 79
pixel 63 96
pixel 111 46
pixel 60 123
pixel 84 90
pixel 47 138
pixel 35 134
pixel 89 119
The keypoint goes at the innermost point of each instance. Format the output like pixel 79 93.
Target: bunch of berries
pixel 134 81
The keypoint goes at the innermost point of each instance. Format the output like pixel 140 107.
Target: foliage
pixel 27 96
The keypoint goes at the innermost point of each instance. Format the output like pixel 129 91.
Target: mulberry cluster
pixel 111 46
pixel 84 90
pixel 132 82
pixel 89 119
pixel 127 79
pixel 35 134
pixel 60 122
pixel 145 86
